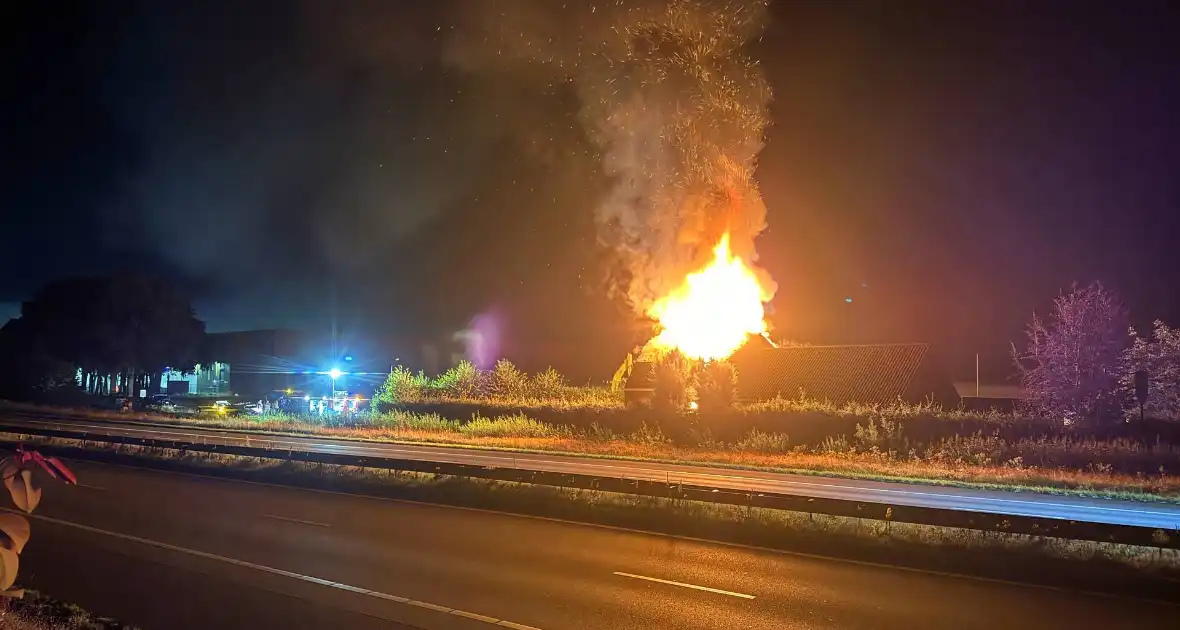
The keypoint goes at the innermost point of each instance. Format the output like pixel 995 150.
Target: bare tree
pixel 1073 366
pixel 1159 356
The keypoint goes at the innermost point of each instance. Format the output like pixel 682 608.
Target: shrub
pixel 884 435
pixel 401 386
pixel 504 386
pixel 505 381
pixel 462 381
pixel 673 382
pixel 548 384
pixel 717 386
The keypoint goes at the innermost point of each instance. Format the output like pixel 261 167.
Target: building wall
pixel 206 380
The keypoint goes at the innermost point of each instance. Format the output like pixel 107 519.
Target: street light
pixel 335 373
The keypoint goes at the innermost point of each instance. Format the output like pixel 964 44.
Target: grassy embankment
pixel 1138 571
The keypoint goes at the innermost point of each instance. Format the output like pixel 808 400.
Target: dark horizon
pixel 949 166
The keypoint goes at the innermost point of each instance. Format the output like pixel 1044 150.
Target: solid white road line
pixel 693 586
pixel 89 487
pixel 287 574
pixel 295 520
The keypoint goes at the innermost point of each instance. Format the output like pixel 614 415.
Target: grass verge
pixel 1107 567
pixel 36 611
pixel 975 461
pixel 878 449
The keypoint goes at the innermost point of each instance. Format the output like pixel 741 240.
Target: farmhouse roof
pixel 865 374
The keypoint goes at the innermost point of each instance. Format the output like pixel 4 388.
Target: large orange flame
pixel 714 311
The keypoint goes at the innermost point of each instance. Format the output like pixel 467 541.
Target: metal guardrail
pixel 879 511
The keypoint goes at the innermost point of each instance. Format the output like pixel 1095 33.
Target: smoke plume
pixel 672 101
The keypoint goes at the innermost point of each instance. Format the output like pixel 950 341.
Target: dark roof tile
pixel 865 374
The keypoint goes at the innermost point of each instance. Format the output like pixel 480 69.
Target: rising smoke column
pixel 676 106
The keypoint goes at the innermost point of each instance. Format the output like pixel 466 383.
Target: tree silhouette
pixel 130 326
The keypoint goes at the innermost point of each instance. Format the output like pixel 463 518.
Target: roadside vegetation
pixel 875 447
pixel 36 611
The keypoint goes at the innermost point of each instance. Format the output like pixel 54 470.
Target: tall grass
pixel 758 442
pixel 518 425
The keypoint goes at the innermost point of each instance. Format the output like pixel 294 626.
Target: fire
pixel 713 311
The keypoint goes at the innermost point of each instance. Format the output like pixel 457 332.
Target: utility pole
pixel 977 375
pixel 332 297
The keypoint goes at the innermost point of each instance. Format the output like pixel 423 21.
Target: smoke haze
pixel 671 101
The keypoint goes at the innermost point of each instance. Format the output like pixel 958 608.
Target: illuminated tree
pixel 672 382
pixel 717 386
pixel 1158 355
pixel 130 326
pixel 1073 366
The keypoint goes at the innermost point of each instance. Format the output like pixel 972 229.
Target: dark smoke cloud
pixel 671 100
pixel 292 147
pixel 285 146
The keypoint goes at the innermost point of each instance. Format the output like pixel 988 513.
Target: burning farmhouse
pixel 677 107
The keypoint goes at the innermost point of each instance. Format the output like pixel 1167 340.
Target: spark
pixel 678 110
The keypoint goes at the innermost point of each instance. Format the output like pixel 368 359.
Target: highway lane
pixel 125 582
pixel 271 550
pixel 1156 515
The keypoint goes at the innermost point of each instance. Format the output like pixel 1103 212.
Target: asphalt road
pixel 165 550
pixel 1155 515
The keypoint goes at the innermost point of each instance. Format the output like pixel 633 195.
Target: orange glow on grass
pixel 712 313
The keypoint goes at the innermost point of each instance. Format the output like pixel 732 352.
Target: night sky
pixel 950 166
